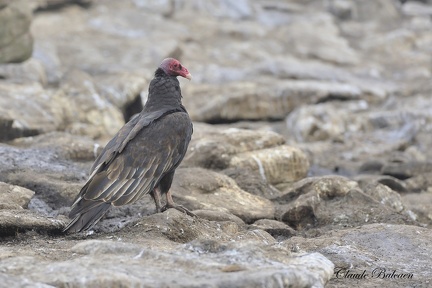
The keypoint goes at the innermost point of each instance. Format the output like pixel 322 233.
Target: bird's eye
pixel 180 67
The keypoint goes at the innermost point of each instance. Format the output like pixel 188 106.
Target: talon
pixel 178 208
pixel 171 204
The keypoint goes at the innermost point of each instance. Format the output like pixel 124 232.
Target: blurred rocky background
pixel 311 150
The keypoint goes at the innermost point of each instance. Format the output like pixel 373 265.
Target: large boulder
pixel 261 151
pixel 335 201
pixel 16 43
pixel 364 250
pixel 197 188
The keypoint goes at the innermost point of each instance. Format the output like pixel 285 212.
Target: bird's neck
pixel 164 91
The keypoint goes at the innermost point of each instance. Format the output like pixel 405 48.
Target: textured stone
pixel 20 281
pixel 259 151
pixel 385 195
pixel 56 4
pixel 16 221
pixel 420 206
pixel 317 36
pixel 261 100
pixel 145 266
pixel 198 188
pixel 173 244
pixel 213 215
pixel 275 228
pixel 325 121
pixel 16 42
pixel 252 182
pixel 88 113
pixel 405 170
pixel 27 110
pixel 14 197
pixel 337 201
pixel 68 146
pixel 29 71
pixel 53 179
pixel 365 248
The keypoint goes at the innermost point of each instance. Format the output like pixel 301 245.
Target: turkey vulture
pixel 142 156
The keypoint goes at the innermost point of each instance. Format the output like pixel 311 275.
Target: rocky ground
pixel 309 164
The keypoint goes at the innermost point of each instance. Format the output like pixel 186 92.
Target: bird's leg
pixel 156 195
pixel 171 204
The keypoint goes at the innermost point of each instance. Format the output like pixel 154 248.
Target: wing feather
pixel 110 191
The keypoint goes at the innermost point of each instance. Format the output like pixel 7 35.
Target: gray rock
pixel 384 195
pixel 101 247
pixel 391 182
pixel 403 171
pixel 420 182
pixel 275 228
pixel 252 182
pixel 264 100
pixel 242 9
pixel 46 53
pixel 80 106
pixel 301 271
pixel 146 46
pixel 419 205
pixel 122 90
pixel 20 281
pixel 56 4
pixel 53 179
pixel 14 197
pixel 173 244
pixel 88 113
pixel 197 188
pixel 16 42
pixel 325 121
pixel 27 109
pixel 26 72
pixel 15 221
pixel 219 216
pixel 315 35
pixel 339 202
pixel 382 10
pixel 67 146
pixel 341 9
pixel 364 248
pixel 416 9
pixel 259 151
pixel 302 69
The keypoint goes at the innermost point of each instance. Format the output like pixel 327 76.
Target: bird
pixel 142 156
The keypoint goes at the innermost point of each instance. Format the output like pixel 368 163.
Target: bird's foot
pixel 156 197
pixel 178 208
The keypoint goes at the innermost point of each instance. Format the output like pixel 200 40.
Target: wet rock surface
pixel 309 164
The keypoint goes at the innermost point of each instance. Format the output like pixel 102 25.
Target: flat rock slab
pixel 135 266
pixel 15 42
pixel 164 250
pixel 14 197
pixel 42 170
pixel 198 188
pixel 15 221
pixel 401 248
pixel 263 152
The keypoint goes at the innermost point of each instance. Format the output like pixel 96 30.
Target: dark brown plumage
pixel 142 156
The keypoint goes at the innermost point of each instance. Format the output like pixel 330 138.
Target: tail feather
pixel 88 217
